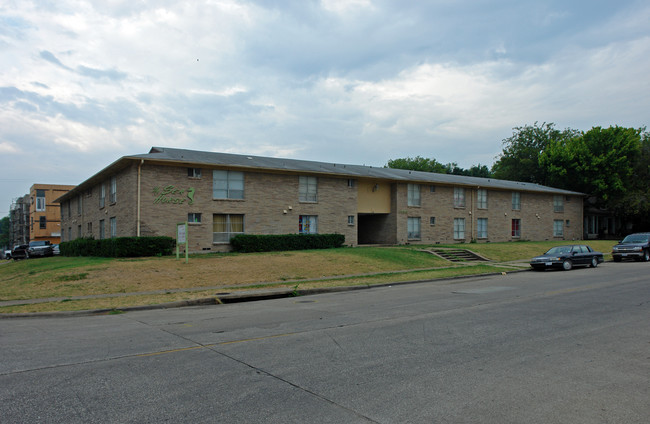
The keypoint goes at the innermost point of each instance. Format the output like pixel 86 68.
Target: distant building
pixel 222 195
pixel 45 211
pixel 19 221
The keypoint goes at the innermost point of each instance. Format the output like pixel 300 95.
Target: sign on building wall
pixel 173 196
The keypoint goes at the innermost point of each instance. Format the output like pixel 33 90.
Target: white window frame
pixel 227 184
pixel 193 218
pixel 459 228
pixel 515 233
pixel 308 224
pixel 558 203
pixel 350 219
pixel 413 195
pixel 79 205
pixel 194 173
pixel 432 221
pixel 308 189
pixel 414 228
pixel 482 198
pixel 112 190
pixel 113 226
pixel 102 196
pixel 40 201
pixel 223 237
pixel 102 229
pixel 516 201
pixel 482 228
pixel 558 228
pixel 459 197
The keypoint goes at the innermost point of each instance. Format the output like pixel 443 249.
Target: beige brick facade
pixel 164 195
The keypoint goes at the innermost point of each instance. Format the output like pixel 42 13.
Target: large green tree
pixel 519 160
pixel 420 163
pixel 5 237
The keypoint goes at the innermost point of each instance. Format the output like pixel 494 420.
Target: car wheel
pixel 646 255
pixel 594 262
pixel 567 265
pixel 617 259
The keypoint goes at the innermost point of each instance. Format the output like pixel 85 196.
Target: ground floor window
pixel 516 228
pixel 226 226
pixel 350 219
pixel 481 228
pixel 558 228
pixel 42 222
pixel 102 229
pixel 194 218
pixel 308 224
pixel 459 228
pixel 113 222
pixel 414 228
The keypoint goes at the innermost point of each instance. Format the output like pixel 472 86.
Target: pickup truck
pixel 635 246
pixel 40 248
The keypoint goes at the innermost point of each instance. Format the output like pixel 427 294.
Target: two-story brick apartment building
pixel 222 195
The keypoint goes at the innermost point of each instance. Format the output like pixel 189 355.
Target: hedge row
pixel 120 247
pixel 246 243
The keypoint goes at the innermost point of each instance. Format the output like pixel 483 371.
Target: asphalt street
pixel 534 347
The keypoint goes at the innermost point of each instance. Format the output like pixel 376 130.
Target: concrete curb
pixel 248 296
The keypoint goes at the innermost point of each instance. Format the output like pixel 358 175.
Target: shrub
pixel 120 247
pixel 247 243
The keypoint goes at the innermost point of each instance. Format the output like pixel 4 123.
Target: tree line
pixel 610 165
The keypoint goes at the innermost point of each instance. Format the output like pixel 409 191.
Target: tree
pixel 519 160
pixel 431 165
pixel 5 237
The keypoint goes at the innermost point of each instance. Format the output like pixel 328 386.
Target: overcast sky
pixel 83 83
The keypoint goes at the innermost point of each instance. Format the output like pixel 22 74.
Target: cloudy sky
pixel 83 83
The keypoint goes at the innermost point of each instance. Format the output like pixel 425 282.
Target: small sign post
pixel 181 238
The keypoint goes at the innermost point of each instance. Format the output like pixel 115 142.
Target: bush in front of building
pixel 247 243
pixel 119 247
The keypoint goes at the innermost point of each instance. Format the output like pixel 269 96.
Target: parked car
pixel 7 254
pixel 635 246
pixel 56 250
pixel 40 248
pixel 19 251
pixel 566 257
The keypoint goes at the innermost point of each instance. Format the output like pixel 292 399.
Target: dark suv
pixel 40 248
pixel 19 251
pixel 636 246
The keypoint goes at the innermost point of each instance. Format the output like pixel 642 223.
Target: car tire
pixel 567 265
pixel 646 255
pixel 594 262
pixel 617 259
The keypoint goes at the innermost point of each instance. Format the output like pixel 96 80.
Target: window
pixel 350 219
pixel 459 197
pixel 516 228
pixel 112 194
pixel 40 200
pixel 113 223
pixel 102 196
pixel 227 184
pixel 413 194
pixel 79 205
pixel 102 229
pixel 308 224
pixel 90 228
pixel 308 189
pixel 482 228
pixel 194 172
pixel 432 189
pixel 459 228
pixel 79 231
pixel 432 220
pixel 62 234
pixel 69 233
pixel 89 192
pixel 352 183
pixel 413 228
pixel 558 203
pixel 482 202
pixel 516 201
pixel 68 203
pixel 42 222
pixel 558 228
pixel 568 222
pixel 194 218
pixel 226 226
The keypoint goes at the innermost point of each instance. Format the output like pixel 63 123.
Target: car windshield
pixel 559 250
pixel 635 238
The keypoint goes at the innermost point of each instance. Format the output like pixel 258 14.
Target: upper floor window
pixel 482 201
pixel 459 197
pixel 227 184
pixel 308 189
pixel 352 183
pixel 112 194
pixel 413 194
pixel 40 200
pixel 102 195
pixel 79 205
pixel 516 201
pixel 558 203
pixel 194 172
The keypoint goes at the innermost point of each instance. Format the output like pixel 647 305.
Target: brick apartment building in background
pixel 221 195
pixel 45 212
